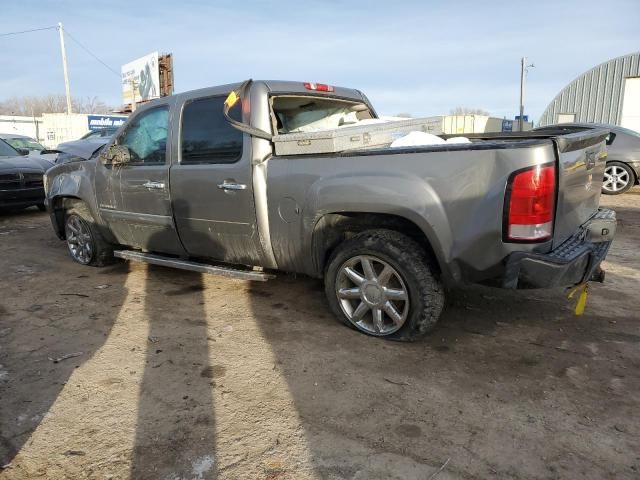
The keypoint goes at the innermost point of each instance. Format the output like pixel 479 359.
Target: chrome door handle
pixel 232 186
pixel 153 185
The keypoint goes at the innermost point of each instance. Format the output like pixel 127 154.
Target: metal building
pixel 608 93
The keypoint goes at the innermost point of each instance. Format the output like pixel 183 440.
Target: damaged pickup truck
pixel 185 184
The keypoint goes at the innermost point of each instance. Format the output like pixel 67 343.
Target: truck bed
pixel 452 189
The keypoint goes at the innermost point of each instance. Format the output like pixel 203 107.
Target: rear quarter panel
pixel 455 196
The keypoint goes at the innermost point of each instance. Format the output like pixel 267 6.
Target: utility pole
pixel 134 85
pixel 64 68
pixel 524 68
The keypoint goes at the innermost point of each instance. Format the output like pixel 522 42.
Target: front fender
pixel 70 180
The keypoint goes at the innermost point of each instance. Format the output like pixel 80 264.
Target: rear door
pixel 211 185
pixel 582 157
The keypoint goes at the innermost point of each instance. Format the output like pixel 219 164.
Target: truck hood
pixel 82 148
pixel 24 163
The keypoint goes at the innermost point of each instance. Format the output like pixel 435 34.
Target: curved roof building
pixel 608 93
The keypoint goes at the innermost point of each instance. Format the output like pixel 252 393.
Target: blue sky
pixel 421 57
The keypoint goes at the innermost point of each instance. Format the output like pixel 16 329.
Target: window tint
pixel 207 137
pixel 146 137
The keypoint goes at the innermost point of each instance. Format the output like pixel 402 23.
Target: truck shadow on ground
pixel 372 408
pixel 48 331
pixel 175 429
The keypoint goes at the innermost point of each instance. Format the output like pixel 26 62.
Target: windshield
pixel 26 143
pixel 295 114
pixel 7 150
pixel 101 133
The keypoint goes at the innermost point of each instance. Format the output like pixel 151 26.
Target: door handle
pixel 149 185
pixel 232 186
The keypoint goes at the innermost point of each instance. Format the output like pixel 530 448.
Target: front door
pixel 211 185
pixel 141 205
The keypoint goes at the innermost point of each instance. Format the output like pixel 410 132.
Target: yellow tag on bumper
pixel 582 298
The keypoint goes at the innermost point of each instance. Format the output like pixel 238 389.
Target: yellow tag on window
pixel 231 100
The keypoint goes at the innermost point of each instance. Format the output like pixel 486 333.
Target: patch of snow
pixel 202 465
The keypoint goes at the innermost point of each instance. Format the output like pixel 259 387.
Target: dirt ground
pixel 179 375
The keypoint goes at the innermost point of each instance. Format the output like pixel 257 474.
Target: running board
pixel 193 266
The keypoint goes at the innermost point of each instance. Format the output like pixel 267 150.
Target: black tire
pixel 414 267
pixel 41 207
pixel 101 251
pixel 630 175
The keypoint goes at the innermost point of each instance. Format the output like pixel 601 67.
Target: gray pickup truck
pixel 187 185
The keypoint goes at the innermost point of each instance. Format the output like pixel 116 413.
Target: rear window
pixel 207 137
pixel 294 114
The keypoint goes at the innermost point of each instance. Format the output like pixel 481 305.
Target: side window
pixel 206 136
pixel 146 137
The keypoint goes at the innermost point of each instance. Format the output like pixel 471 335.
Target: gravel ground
pixel 177 375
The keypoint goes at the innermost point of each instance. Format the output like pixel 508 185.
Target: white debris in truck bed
pixel 417 138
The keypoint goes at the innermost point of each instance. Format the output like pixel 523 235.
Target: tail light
pixel 530 204
pixel 319 87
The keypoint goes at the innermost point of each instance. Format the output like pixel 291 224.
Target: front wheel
pixel 381 283
pixel 84 241
pixel 618 178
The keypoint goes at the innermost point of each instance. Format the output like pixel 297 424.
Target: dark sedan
pixel 21 183
pixel 623 149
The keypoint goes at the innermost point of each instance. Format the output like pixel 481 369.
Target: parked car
pixel 21 179
pixel 78 150
pixel 29 146
pixel 623 147
pixel 185 185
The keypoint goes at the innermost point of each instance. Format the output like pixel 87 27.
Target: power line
pixel 75 40
pixel 90 52
pixel 27 31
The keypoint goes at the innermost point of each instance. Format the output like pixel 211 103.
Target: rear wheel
pixel 381 283
pixel 85 242
pixel 618 178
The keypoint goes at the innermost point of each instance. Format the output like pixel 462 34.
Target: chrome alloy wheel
pixel 79 239
pixel 615 178
pixel 372 295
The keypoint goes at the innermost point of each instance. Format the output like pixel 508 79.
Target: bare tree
pixel 36 106
pixel 468 111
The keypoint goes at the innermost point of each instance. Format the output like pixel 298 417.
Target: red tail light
pixel 319 87
pixel 530 204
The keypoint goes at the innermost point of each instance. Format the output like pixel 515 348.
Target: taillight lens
pixel 319 87
pixel 530 202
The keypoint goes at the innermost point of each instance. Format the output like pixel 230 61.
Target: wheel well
pixel 60 205
pixel 333 228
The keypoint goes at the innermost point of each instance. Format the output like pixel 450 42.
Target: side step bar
pixel 193 266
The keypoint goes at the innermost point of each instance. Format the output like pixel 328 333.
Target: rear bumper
pixel 576 261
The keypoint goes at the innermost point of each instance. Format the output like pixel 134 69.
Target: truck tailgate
pixel 581 162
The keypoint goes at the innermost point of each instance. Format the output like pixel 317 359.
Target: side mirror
pixel 117 155
pixel 23 151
